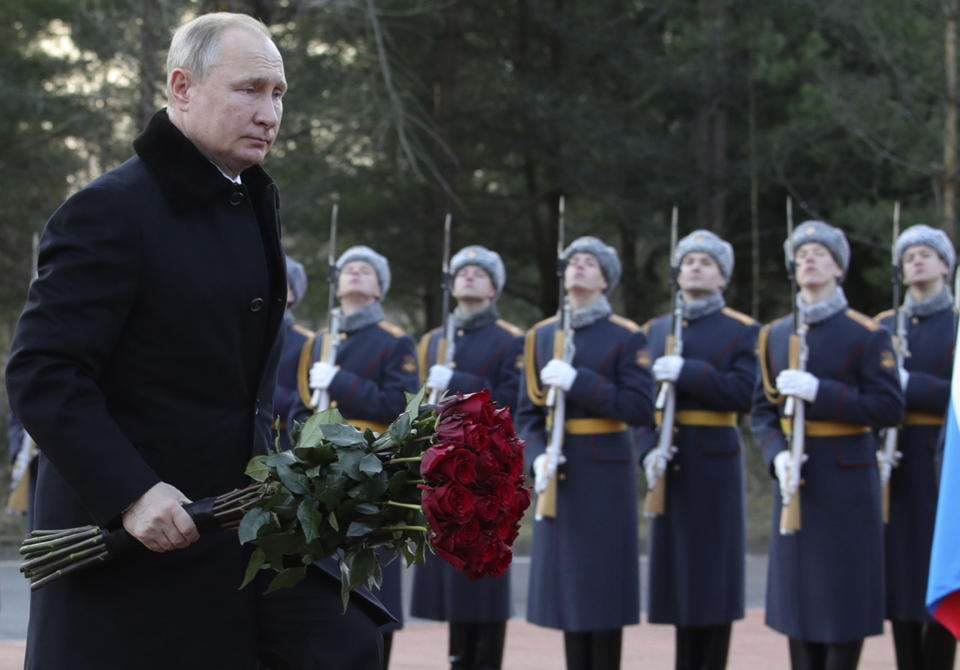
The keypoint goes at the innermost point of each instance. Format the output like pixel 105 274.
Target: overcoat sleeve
pixel 730 389
pixel 503 379
pixel 877 401
pixel 380 399
pixel 626 397
pixel 75 314
pixel 927 393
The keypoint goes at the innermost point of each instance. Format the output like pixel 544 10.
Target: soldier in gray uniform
pixel 697 546
pixel 926 258
pixel 487 355
pixel 584 566
pixel 825 581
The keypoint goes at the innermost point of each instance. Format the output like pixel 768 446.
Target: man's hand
pixel 439 378
pixel 667 368
pixel 558 373
pixel 321 375
pixel 655 465
pixel 799 384
pixel 159 521
pixel 541 471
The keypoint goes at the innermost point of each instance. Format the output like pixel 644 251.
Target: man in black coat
pixel 144 364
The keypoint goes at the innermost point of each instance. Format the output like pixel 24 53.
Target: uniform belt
pixel 826 428
pixel 701 417
pixel 372 425
pixel 923 419
pixel 591 426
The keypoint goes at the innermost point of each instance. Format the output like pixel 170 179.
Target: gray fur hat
pixel 819 231
pixel 607 255
pixel 489 261
pixel 709 243
pixel 297 279
pixel 379 263
pixel 934 238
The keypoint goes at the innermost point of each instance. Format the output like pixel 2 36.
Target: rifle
pixel 793 408
pixel 19 500
pixel 446 346
pixel 656 501
pixel 328 353
pixel 890 435
pixel 563 349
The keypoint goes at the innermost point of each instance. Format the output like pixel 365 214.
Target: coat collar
pixel 187 178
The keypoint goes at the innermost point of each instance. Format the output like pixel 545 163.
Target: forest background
pixel 403 110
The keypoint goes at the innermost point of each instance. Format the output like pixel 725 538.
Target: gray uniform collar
pixel 484 317
pixel 363 317
pixel 822 310
pixel 598 310
pixel 939 302
pixel 696 309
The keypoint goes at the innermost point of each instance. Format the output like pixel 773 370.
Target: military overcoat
pixel 584 572
pixel 697 546
pixel 913 483
pixel 825 583
pixel 486 357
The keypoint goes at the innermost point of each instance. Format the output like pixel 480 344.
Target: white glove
pixel 540 471
pixel 781 467
pixel 799 384
pixel 667 368
pixel 439 377
pixel 655 464
pixel 904 378
pixel 558 373
pixel 887 464
pixel 321 375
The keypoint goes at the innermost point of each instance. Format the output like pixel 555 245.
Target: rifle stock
pixel 790 521
pixel 891 434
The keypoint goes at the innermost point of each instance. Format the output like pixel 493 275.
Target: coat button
pixel 236 197
pixel 256 304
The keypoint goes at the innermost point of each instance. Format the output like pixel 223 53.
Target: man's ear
pixel 179 85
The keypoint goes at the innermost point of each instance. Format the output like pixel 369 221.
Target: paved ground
pixel 422 645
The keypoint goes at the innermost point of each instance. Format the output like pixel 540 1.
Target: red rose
pixel 477 406
pixel 467 533
pixel 452 501
pixel 499 565
pixel 488 507
pixel 449 461
pixel 487 466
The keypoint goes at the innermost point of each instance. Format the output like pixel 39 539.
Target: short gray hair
pixel 196 44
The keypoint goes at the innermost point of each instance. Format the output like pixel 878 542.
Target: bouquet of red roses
pixel 448 476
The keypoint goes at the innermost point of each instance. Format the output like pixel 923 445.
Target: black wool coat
pixel 147 351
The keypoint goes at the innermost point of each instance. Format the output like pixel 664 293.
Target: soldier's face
pixel 233 114
pixel 922 263
pixel 584 273
pixel 473 283
pixel 700 272
pixel 358 278
pixel 816 266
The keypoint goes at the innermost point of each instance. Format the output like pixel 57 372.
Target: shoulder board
pixel 883 315
pixel 509 327
pixel 303 331
pixel 862 319
pixel 624 322
pixel 745 319
pixel 545 322
pixel 391 328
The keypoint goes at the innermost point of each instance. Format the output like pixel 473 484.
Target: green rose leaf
pixel 332 520
pixel 414 400
pixel 296 482
pixel 360 528
pixel 400 429
pixel 285 457
pixel 287 578
pixel 311 520
pixel 257 559
pixel 349 460
pixel 257 469
pixel 252 522
pixel 343 435
pixel 367 508
pixel 370 464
